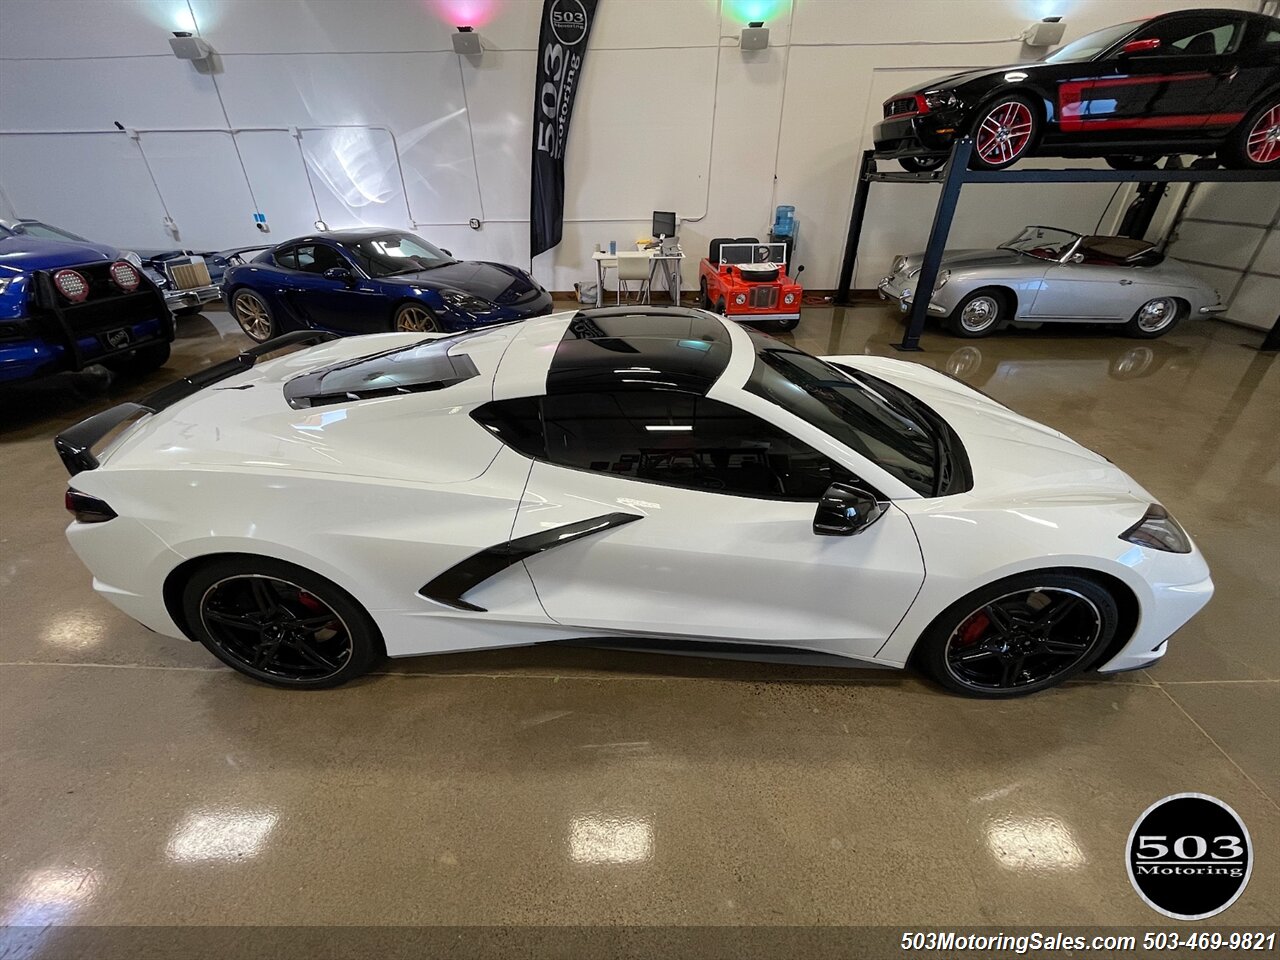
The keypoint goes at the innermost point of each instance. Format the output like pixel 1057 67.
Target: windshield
pixel 1043 243
pixel 883 423
pixel 1091 44
pixel 34 228
pixel 394 253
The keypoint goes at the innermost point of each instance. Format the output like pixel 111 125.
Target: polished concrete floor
pixel 140 783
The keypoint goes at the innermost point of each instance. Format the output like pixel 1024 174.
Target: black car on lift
pixel 1195 81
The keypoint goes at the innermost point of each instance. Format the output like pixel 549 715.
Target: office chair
pixel 634 266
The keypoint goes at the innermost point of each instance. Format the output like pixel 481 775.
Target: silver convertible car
pixel 1047 275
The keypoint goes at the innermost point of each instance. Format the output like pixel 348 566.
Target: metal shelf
pixel 956 174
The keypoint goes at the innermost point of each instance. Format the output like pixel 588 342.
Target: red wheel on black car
pixel 1256 142
pixel 1005 132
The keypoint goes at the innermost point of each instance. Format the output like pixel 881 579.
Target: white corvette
pixel 636 477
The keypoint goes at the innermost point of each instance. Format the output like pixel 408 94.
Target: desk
pixel 669 263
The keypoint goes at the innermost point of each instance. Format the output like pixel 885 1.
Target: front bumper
pixel 37 356
pixel 194 297
pixel 1171 608
pixel 539 306
pixel 890 289
pixel 928 134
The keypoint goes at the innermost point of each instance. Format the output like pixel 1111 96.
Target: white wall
pixel 391 127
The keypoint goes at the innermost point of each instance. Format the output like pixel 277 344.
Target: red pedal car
pixel 746 280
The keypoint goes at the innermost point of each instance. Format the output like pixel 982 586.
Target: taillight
pixel 87 509
pixel 125 276
pixel 71 285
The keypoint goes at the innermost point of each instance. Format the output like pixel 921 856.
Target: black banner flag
pixel 562 45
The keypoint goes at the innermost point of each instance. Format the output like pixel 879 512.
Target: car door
pixel 700 520
pixel 1165 82
pixel 352 305
pixel 1087 290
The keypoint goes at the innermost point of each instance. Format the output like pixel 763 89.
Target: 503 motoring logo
pixel 1189 856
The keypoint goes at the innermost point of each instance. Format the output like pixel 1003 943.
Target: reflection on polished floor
pixel 144 784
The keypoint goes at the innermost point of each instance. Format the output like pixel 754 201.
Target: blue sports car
pixel 373 281
pixel 66 305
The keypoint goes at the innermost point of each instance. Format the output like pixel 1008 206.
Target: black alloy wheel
pixel 1020 635
pixel 280 624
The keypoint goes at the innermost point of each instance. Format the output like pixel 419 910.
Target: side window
pixel 319 257
pixel 1204 36
pixel 685 441
pixel 287 258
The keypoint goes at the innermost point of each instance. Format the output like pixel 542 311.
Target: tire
pixel 705 302
pixel 1006 130
pixel 254 315
pixel 1116 162
pixel 787 324
pixel 1255 144
pixel 980 313
pixel 251 613
pixel 921 164
pixel 1154 318
pixel 413 317
pixel 720 308
pixel 140 361
pixel 989 645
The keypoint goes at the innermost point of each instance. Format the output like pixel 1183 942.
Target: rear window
pixel 430 365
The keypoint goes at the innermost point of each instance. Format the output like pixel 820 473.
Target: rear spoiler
pixel 75 445
pixel 235 252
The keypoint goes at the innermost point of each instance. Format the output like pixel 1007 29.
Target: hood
pixel 23 254
pixel 967 259
pixel 953 80
pixel 1012 457
pixel 494 282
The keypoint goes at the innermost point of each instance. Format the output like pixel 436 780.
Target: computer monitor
pixel 664 223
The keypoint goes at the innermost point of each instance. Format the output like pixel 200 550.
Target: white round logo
pixel 569 21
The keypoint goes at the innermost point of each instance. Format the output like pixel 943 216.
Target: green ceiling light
pixel 748 11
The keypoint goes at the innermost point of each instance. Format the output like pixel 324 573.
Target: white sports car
pixel 636 477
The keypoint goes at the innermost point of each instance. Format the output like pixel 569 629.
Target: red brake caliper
pixel 973 629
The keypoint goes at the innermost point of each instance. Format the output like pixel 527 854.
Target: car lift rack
pixel 956 174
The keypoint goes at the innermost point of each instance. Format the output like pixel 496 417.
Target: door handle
pixel 1125 283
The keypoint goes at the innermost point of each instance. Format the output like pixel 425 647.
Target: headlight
pixel 1159 531
pixel 4 283
pixel 466 302
pixel 941 100
pixel 899 265
pixel 943 277
pixel 789 299
pixel 740 299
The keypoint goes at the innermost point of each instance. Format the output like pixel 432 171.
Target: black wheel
pixel 1019 635
pixel 254 316
pixel 415 318
pixel 1117 162
pixel 720 307
pixel 787 324
pixel 1006 131
pixel 705 302
pixel 980 313
pixel 1154 318
pixel 143 360
pixel 279 623
pixel 921 164
pixel 1255 144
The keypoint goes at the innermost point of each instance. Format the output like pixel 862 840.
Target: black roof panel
pixel 646 348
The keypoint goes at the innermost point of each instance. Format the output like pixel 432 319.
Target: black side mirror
pixel 340 274
pixel 845 510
